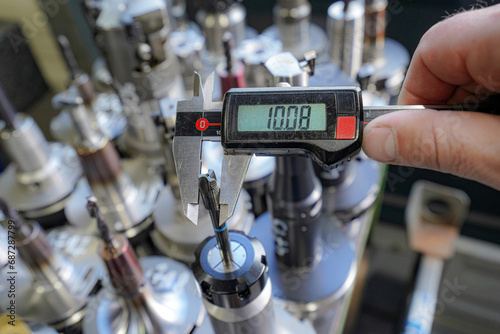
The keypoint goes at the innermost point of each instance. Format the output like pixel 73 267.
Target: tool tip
pixel 69 56
pixel 94 212
pixel 20 224
pixel 227 42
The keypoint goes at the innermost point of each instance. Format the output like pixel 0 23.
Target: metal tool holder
pixel 177 16
pixel 42 175
pixel 134 38
pixel 215 17
pixel 312 263
pixel 127 189
pixel 434 217
pixel 346 22
pixel 141 139
pixel 52 286
pixel 233 274
pixel 296 33
pixel 104 109
pixel 345 28
pixel 385 60
pixel 151 295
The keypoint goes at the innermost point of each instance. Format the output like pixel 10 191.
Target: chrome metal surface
pixel 141 138
pixel 293 29
pixel 285 67
pixel 385 75
pixel 214 24
pixel 56 293
pixel 187 155
pixel 43 175
pixel 126 204
pixel 133 36
pixel 346 34
pixel 170 302
pixel 372 112
pixel 254 53
pixel 105 113
pixel 188 45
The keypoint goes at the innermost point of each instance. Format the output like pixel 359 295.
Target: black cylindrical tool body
pixel 239 299
pixel 295 202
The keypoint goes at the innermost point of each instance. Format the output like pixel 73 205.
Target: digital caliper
pixel 325 123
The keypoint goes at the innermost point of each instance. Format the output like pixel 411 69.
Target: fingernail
pixel 380 144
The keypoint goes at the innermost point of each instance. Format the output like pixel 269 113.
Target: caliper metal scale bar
pixel 339 140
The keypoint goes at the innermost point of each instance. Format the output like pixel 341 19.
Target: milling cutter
pixel 232 271
pixel 42 175
pixel 52 287
pixel 104 109
pixel 127 189
pixel 152 295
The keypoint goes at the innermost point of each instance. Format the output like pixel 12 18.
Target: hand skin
pixel 457 61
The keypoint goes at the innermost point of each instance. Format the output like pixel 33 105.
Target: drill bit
pixel 22 228
pixel 210 194
pixel 69 56
pixel 94 212
pixel 7 112
pixel 346 6
pixel 227 41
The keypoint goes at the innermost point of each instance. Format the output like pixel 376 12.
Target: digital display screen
pixel 282 117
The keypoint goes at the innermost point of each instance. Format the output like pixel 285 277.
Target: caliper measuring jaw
pixel 198 120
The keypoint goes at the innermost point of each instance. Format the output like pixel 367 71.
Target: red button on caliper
pixel 346 127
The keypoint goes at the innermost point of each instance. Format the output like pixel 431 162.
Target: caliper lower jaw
pixel 187 155
pixel 187 150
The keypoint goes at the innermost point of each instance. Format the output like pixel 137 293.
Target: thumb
pixel 466 144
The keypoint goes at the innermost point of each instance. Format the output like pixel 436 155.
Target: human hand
pixel 457 61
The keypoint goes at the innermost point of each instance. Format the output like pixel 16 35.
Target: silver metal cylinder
pixel 293 29
pixel 254 53
pixel 169 302
pixel 292 19
pixel 126 205
pixel 61 280
pixel 41 176
pixel 346 33
pixel 26 146
pixel 188 46
pixel 254 318
pixel 105 113
pixel 375 22
pixel 215 24
pixel 284 67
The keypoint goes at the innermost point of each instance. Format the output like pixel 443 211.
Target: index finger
pixel 456 58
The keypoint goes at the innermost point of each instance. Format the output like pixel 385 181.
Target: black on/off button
pixel 345 103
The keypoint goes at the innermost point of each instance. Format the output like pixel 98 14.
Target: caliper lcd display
pixel 282 117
